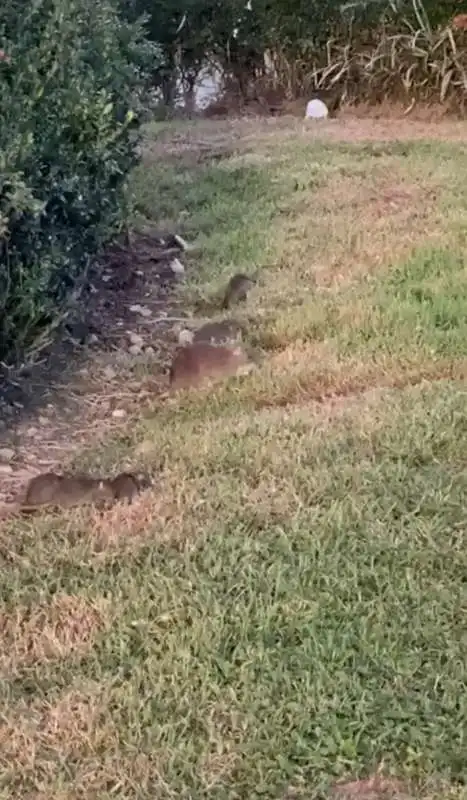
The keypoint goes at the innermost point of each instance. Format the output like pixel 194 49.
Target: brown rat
pixel 237 289
pixel 127 485
pixel 66 491
pixel 50 490
pixel 201 361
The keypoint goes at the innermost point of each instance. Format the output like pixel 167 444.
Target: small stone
pixel 106 278
pixel 6 469
pixel 32 432
pixel 6 454
pixel 149 351
pixel 135 338
pixel 143 310
pixel 139 273
pixel 119 413
pixel 134 349
pixel 185 336
pixel 109 373
pixel 43 420
pixel 177 267
pixel 93 339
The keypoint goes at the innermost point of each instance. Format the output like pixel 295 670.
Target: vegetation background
pixel 77 79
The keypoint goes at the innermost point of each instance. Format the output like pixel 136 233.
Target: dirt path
pixel 82 391
pixel 101 370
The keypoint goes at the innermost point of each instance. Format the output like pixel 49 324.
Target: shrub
pixel 69 82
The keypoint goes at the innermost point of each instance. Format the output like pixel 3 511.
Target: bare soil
pixel 84 384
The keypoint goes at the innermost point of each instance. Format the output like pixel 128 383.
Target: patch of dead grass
pixel 79 731
pixel 314 372
pixel 353 226
pixel 75 726
pixel 255 135
pixel 67 625
pixel 372 788
pixel 130 525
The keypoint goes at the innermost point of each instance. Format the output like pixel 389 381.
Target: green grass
pixel 287 608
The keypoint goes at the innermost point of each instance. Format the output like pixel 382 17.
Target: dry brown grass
pixel 356 225
pixel 300 374
pixel 78 730
pixel 372 788
pixel 154 514
pixel 384 123
pixel 65 626
pixel 76 726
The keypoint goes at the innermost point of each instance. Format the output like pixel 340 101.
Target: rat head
pixel 142 480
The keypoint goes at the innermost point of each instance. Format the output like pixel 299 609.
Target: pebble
pixel 109 373
pixel 134 349
pixel 143 310
pixel 177 267
pixel 135 338
pixel 149 351
pixel 6 469
pixel 119 413
pixel 6 454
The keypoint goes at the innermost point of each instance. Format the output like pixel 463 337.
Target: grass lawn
pixel 288 608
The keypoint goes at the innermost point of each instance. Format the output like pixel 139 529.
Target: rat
pixel 50 490
pixel 199 361
pixel 237 289
pixel 127 485
pixel 66 491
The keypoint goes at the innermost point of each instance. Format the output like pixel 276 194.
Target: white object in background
pixel 316 109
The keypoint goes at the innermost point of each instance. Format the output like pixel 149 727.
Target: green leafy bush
pixel 68 139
